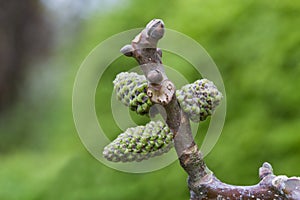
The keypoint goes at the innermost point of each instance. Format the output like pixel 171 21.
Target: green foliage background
pixel 255 44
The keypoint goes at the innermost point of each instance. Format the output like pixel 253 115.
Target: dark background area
pixel 255 44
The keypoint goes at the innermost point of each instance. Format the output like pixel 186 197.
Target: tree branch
pixel 202 182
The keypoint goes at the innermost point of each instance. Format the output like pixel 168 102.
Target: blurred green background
pixel 255 44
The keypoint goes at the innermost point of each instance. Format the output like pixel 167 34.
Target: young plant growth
pixel 195 102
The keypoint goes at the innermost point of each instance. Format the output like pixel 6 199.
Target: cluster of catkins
pixel 198 100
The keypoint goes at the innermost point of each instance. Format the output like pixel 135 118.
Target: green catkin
pixel 131 90
pixel 199 99
pixel 140 143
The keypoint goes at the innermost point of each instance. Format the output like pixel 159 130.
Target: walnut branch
pixel 202 182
